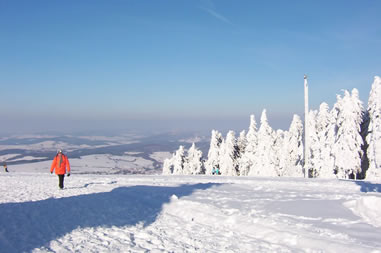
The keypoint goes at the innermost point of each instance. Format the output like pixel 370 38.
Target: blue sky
pixel 179 64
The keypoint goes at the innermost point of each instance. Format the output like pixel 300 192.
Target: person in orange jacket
pixel 59 164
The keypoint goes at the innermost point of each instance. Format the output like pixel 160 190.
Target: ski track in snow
pixel 122 213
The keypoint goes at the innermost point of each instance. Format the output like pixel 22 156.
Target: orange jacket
pixel 61 170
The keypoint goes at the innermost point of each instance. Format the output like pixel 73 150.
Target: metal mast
pixel 306 142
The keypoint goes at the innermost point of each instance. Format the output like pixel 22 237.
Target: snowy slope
pixel 120 213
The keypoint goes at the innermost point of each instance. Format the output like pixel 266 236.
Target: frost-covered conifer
pixel 214 152
pixel 264 162
pixel 248 156
pixel 168 166
pixel 242 142
pixel 314 149
pixel 179 161
pixel 347 148
pixel 229 155
pixel 325 130
pixel 374 131
pixel 251 136
pixel 194 163
pixel 291 154
pixel 278 152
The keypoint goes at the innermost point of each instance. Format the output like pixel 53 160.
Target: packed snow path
pixel 114 213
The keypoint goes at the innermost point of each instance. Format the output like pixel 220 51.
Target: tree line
pixel 343 142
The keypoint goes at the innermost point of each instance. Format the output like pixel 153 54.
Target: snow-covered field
pixel 125 213
pixel 99 164
pixel 121 154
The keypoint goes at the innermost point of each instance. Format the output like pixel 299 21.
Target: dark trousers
pixel 61 181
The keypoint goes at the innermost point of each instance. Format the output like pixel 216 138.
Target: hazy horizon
pixel 110 127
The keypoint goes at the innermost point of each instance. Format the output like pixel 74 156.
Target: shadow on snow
pixel 28 225
pixel 368 187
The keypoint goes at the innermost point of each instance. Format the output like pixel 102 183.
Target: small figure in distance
pixel 215 171
pixel 5 167
pixel 59 164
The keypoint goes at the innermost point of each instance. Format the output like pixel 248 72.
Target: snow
pixel 123 139
pixel 137 213
pixel 194 139
pixel 8 157
pixel 374 130
pixel 27 158
pixel 334 146
pixel 50 145
pixel 29 136
pixel 102 163
pixel 368 208
pixel 160 156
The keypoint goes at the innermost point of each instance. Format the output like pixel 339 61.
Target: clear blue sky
pixel 73 63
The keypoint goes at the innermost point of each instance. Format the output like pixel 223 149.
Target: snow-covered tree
pixel 358 111
pixel 325 131
pixel 180 164
pixel 229 155
pixel 194 164
pixel 264 163
pixel 248 156
pixel 347 148
pixel 374 131
pixel 214 152
pixel 291 153
pixel 313 150
pixel 179 161
pixel 278 152
pixel 168 166
pixel 242 142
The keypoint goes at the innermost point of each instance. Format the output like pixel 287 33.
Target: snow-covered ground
pixel 52 145
pixel 121 154
pixel 125 213
pixel 99 164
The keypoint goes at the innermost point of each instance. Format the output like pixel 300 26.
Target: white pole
pixel 306 142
